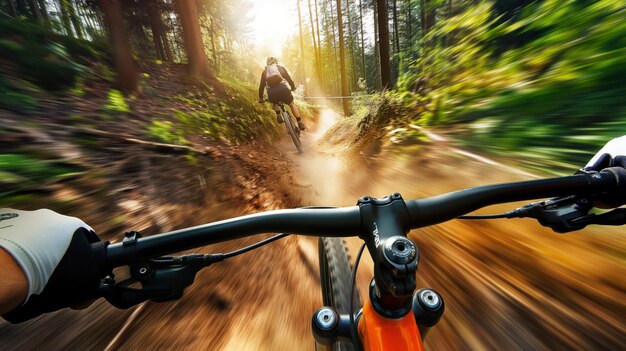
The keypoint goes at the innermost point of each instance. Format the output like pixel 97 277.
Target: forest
pixel 144 115
pixel 515 73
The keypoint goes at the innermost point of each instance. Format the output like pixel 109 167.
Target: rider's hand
pixel 613 154
pixel 55 254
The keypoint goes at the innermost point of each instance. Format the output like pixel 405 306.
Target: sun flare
pixel 274 21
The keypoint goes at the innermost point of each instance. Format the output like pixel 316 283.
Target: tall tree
pixel 396 33
pixel 428 16
pixel 197 62
pixel 36 11
pixel 301 45
pixel 383 43
pixel 122 52
pixel 78 26
pixel 319 41
pixel 376 81
pixel 13 7
pixel 342 62
pixel 351 42
pixel 362 39
pixel 409 20
pixel 334 47
pixel 318 64
pixel 65 17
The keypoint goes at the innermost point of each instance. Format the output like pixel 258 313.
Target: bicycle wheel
pixel 335 274
pixel 291 130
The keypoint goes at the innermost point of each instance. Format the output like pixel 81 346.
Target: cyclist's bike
pixel 395 314
pixel 292 127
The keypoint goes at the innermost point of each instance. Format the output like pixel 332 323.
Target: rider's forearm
pixel 13 283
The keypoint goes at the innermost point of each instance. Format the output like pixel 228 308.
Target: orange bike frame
pixel 378 333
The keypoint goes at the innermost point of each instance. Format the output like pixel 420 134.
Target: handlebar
pixel 347 221
pixel 305 221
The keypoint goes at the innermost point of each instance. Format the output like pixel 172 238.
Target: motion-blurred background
pixel 143 114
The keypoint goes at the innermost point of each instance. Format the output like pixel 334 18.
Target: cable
pixel 355 339
pixel 255 246
pixel 213 258
pixel 491 216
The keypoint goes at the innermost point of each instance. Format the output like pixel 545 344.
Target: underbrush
pixel 20 170
pixel 234 118
pixel 34 59
pixel 372 117
pixel 545 85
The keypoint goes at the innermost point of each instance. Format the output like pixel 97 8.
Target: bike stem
pixel 385 224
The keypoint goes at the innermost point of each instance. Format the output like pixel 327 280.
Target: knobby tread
pixel 291 130
pixel 335 276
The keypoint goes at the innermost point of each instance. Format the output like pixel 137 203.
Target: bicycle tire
pixel 292 131
pixel 335 274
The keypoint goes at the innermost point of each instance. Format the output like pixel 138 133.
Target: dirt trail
pixel 507 285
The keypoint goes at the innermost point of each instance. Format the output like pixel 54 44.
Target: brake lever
pixel 162 279
pixel 614 217
pixel 561 214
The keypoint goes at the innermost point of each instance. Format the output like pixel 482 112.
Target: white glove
pixel 614 148
pixel 37 240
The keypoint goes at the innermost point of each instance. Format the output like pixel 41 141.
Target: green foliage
pixel 236 117
pixel 16 97
pixel 35 54
pixel 21 169
pixel 544 79
pixel 116 103
pixel 376 111
pixel 166 132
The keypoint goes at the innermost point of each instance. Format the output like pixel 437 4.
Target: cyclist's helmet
pixel 272 60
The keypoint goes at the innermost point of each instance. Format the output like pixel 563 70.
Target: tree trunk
pixel 409 19
pixel 327 22
pixel 317 58
pixel 334 47
pixel 36 11
pixel 65 18
pixel 396 33
pixel 74 18
pixel 197 62
pixel 342 61
pixel 351 42
pixel 376 80
pixel 302 60
pixel 362 39
pixel 383 35
pixel 122 52
pixel 44 11
pixel 155 18
pixel 319 43
pixel 428 17
pixel 213 48
pixel 13 8
pixel 166 43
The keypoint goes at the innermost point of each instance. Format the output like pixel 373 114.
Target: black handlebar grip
pixel 617 196
pixel 76 279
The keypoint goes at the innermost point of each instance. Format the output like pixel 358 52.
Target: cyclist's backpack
pixel 272 75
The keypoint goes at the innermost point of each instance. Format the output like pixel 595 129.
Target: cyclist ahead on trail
pixel 275 78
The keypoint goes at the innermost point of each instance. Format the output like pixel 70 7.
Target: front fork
pixel 374 329
pixel 385 224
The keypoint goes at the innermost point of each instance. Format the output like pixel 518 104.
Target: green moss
pixel 116 103
pixel 166 132
pixel 19 171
